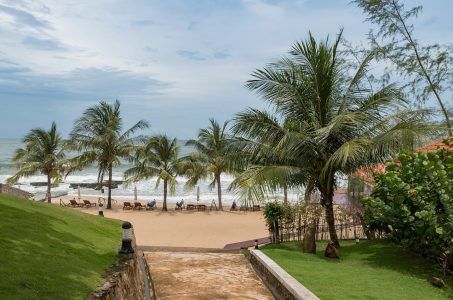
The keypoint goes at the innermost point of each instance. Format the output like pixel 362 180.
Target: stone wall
pixel 125 280
pixel 9 190
pixel 280 283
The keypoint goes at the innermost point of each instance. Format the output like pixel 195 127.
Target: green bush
pixel 412 201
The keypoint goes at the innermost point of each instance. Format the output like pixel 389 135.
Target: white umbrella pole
pixel 135 193
pixel 78 191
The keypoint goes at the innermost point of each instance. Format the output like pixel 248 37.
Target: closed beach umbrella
pixel 198 193
pixel 78 191
pixel 135 193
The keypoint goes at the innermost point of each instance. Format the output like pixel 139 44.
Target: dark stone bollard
pixel 126 240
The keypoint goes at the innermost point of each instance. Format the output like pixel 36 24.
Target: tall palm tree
pixel 212 157
pixel 157 157
pixel 325 122
pixel 44 153
pixel 98 135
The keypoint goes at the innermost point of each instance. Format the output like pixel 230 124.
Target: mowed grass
pixel 368 270
pixel 49 252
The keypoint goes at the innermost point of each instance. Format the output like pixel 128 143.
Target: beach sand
pixel 206 229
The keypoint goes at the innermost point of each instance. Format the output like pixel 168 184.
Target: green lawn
pixel 368 270
pixel 49 252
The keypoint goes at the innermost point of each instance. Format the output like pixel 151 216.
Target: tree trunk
pixel 109 198
pixel 164 206
pixel 310 237
pixel 276 232
pixel 327 200
pixel 219 191
pixel 49 186
pixel 285 194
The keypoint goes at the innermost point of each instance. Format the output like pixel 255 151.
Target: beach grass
pixel 368 270
pixel 50 252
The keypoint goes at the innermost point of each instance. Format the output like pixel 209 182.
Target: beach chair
pixel 74 203
pixel 127 205
pixel 256 208
pixel 190 206
pixel 88 204
pixel 201 207
pixel 151 205
pixel 179 205
pixel 139 206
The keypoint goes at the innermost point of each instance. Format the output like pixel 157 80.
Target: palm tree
pixel 325 122
pixel 98 135
pixel 157 157
pixel 44 153
pixel 213 156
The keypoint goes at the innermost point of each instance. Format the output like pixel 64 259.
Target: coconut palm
pixel 158 157
pixel 98 135
pixel 44 153
pixel 325 122
pixel 213 156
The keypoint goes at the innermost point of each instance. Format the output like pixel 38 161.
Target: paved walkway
pixel 196 275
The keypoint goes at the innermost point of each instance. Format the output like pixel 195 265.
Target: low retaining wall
pixel 280 283
pixel 125 280
pixel 9 190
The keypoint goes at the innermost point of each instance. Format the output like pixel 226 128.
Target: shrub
pixel 412 201
pixel 273 212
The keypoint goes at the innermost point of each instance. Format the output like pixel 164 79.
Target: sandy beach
pixel 206 229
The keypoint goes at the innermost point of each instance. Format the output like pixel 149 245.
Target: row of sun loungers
pixel 152 205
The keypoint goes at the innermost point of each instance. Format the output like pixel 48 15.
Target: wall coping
pixel 290 283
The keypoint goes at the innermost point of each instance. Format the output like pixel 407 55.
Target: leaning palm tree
pixel 98 135
pixel 44 153
pixel 158 157
pixel 212 157
pixel 325 122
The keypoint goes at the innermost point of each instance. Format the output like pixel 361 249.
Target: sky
pixel 173 63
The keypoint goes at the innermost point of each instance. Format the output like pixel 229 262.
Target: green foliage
pixel 44 153
pixel 99 138
pixel 413 201
pixel 425 68
pixel 213 156
pixel 369 270
pixel 158 157
pixel 273 212
pixel 325 121
pixel 50 252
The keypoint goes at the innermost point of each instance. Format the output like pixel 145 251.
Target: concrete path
pixel 197 275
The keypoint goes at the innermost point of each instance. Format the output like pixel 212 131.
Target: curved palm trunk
pixel 327 200
pixel 164 206
pixel 49 186
pixel 219 191
pixel 109 198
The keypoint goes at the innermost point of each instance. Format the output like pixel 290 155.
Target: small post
pixel 256 244
pixel 101 209
pixel 126 240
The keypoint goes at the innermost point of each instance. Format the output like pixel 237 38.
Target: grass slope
pixel 368 270
pixel 49 252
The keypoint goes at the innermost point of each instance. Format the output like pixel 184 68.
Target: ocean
pixel 146 189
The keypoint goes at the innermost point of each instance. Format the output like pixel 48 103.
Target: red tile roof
pixel 366 173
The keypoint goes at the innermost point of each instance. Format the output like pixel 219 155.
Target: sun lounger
pixel 180 205
pixel 201 207
pixel 190 206
pixel 88 204
pixel 74 203
pixel 256 208
pixel 139 206
pixel 127 205
pixel 151 205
